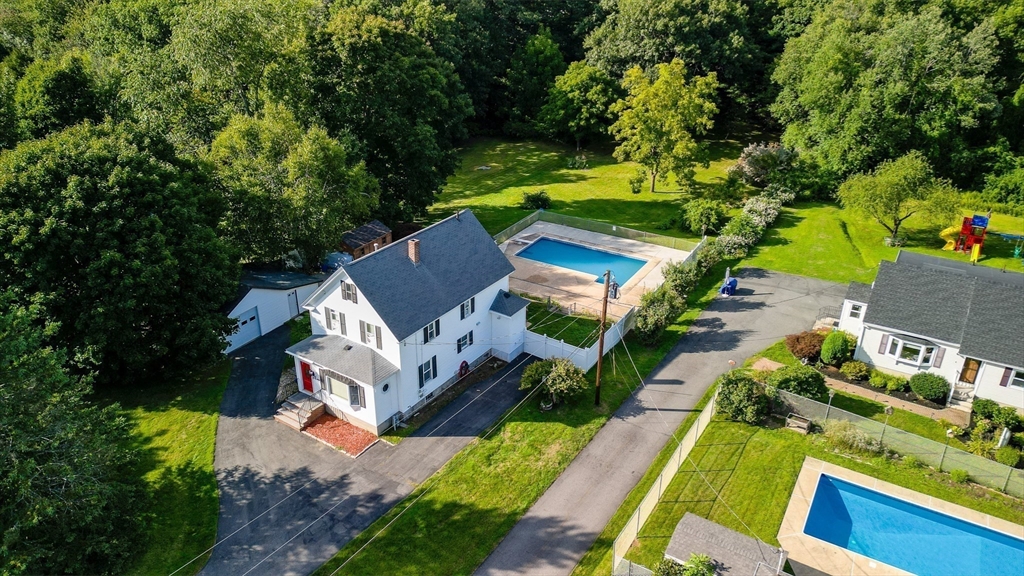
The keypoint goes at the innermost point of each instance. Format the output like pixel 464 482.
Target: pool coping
pixel 815 556
pixel 633 279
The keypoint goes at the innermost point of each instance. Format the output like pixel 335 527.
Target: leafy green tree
pixel 565 380
pixel 530 76
pixel 578 106
pixel 899 189
pixel 658 120
pixel 702 215
pixel 385 85
pixel 869 81
pixel 9 131
pixel 741 398
pixel 114 236
pixel 56 93
pixel 69 501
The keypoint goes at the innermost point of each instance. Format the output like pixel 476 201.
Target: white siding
pixel 987 386
pixel 848 323
pixel 354 312
pixel 867 351
pixel 508 334
pixel 273 307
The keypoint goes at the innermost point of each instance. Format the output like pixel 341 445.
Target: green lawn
pixel 580 331
pixel 754 470
pixel 455 518
pixel 175 424
pixel 598 193
pixel 824 241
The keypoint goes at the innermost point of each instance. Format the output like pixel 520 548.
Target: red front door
pixel 307 377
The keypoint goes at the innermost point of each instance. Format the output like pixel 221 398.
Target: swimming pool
pixel 908 536
pixel 583 259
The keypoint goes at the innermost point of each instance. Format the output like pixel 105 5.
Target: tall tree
pixel 56 93
pixel 9 130
pixel 899 189
pixel 114 236
pixel 69 501
pixel 530 75
pixel 868 81
pixel 658 120
pixel 579 104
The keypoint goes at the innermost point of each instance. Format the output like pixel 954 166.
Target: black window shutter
pixel 421 376
pixel 353 395
pixel 458 346
pixel 362 332
pixel 426 334
pixel 344 332
pixel 327 318
pixel 380 344
pixel 472 305
pixel 470 337
pixel 462 312
pixel 433 366
pixel 437 327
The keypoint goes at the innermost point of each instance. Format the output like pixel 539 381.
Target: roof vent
pixel 414 251
pixel 348 347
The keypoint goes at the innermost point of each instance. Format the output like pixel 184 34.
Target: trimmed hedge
pixel 930 386
pixel 802 380
pixel 855 370
pixel 836 348
pixel 741 398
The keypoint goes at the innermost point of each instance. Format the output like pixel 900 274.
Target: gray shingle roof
pixel 458 259
pixel 980 309
pixel 507 303
pixel 344 356
pixel 733 553
pixel 858 292
pixel 365 233
pixel 279 280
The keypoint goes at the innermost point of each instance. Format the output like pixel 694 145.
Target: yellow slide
pixel 949 235
pixel 975 253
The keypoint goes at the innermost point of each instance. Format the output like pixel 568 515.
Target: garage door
pixel 248 328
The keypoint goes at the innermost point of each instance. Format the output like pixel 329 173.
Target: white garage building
pixel 266 300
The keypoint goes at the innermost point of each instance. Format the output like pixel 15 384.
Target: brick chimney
pixel 414 251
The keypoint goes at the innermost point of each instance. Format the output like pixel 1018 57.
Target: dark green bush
pixel 959 476
pixel 805 345
pixel 538 200
pixel 930 386
pixel 741 398
pixel 895 384
pixel 1018 439
pixel 1007 417
pixel 836 348
pixel 855 370
pixel 1008 455
pixel 657 309
pixel 984 408
pixel 802 380
pixel 534 373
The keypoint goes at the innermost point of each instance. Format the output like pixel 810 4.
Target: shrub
pixel 805 345
pixel 895 384
pixel 741 398
pixel 929 386
pixel 802 380
pixel 758 163
pixel 1008 455
pixel 959 476
pixel 657 309
pixel 844 436
pixel 565 380
pixel 744 228
pixel 697 565
pixel 836 348
pixel 538 200
pixel 878 379
pixel 638 180
pixel 779 193
pixel 699 216
pixel 534 373
pixel 1007 417
pixel 763 211
pixel 984 408
pixel 578 162
pixel 855 370
pixel 1018 439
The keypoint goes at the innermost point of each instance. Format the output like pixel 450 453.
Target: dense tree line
pixel 147 147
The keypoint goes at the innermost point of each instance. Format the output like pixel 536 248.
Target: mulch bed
pixel 346 437
pixel 834 373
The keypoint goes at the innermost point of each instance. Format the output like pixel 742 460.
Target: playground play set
pixel 970 237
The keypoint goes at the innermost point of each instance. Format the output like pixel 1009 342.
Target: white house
pixel 394 328
pixel 266 300
pixel 963 322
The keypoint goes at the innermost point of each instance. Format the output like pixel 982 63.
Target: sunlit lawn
pixel 578 331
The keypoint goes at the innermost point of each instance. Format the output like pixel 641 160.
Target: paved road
pixel 287 502
pixel 554 534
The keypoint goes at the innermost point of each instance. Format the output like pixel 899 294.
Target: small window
pixel 856 310
pixel 370 332
pixel 894 345
pixel 929 351
pixel 467 308
pixel 428 370
pixel 348 292
pixel 431 331
pixel 1018 379
pixel 465 342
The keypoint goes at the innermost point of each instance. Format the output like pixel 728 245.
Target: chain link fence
pixel 940 456
pixel 593 226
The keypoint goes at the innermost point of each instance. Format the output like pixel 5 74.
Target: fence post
pixel 662 475
pixel 1009 472
pixel 943 458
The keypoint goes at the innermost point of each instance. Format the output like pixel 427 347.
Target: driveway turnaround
pixel 562 525
pixel 287 502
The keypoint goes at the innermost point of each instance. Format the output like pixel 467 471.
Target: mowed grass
pixel 600 192
pixel 825 241
pixel 754 469
pixel 580 331
pixel 175 424
pixel 450 523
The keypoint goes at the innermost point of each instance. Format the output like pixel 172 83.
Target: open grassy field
pixel 176 425
pixel 825 241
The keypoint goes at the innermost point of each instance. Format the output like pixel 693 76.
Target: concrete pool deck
pixel 578 291
pixel 810 556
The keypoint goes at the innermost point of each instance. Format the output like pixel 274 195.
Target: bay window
pixel 907 351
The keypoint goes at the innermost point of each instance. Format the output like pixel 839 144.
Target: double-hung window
pixel 1017 379
pixel 467 308
pixel 335 320
pixel 370 335
pixel 348 292
pixel 465 342
pixel 856 310
pixel 431 331
pixel 346 389
pixel 907 351
pixel 428 370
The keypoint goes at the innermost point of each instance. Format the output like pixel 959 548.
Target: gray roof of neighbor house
pixel 943 300
pixel 858 292
pixel 507 303
pixel 733 553
pixel 345 357
pixel 364 234
pixel 458 259
pixel 269 281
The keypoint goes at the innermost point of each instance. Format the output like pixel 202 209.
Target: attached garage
pixel 265 301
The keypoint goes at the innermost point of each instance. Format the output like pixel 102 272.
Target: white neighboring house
pixel 266 300
pixel 963 322
pixel 394 328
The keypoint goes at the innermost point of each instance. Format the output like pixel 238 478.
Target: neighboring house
pixel 366 239
pixel 963 322
pixel 393 329
pixel 266 300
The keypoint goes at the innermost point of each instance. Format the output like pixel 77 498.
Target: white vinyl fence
pixel 546 347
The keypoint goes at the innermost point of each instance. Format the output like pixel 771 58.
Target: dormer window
pixel 467 308
pixel 348 292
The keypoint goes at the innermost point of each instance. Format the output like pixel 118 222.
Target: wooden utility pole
pixel 600 337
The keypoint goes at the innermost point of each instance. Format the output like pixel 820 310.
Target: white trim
pixel 893 331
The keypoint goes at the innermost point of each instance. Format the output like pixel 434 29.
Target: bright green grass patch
pixel 825 241
pixel 176 424
pixel 777 353
pixel 754 469
pixel 580 331
pixel 456 518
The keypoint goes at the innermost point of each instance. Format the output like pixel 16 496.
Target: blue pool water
pixel 908 536
pixel 583 259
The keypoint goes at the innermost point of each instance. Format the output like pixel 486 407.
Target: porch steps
pixel 299 410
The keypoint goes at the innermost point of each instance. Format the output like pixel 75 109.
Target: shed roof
pixel 733 553
pixel 365 234
pixel 344 356
pixel 507 304
pixel 269 281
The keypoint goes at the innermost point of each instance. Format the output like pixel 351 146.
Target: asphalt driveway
pixel 287 502
pixel 562 525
